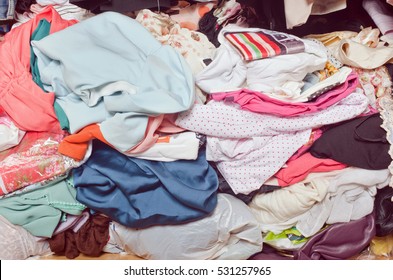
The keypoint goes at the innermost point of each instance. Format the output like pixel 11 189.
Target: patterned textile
pixel 377 86
pixel 248 147
pixel 264 43
pixel 34 160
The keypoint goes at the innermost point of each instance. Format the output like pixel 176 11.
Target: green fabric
pixel 292 234
pixel 62 117
pixel 43 30
pixel 41 210
pixel 40 32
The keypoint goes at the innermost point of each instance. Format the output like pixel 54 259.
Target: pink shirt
pixel 259 102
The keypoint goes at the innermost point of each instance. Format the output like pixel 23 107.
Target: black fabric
pixel 352 18
pixel 359 142
pixel 250 12
pixel 135 5
pixel 389 66
pixel 208 26
pixel 224 187
pixel 91 5
pixel 24 5
pixel 383 206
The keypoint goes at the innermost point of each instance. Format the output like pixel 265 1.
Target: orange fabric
pixel 26 103
pixel 76 145
pixel 164 139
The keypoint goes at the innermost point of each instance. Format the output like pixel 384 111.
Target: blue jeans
pixel 7 9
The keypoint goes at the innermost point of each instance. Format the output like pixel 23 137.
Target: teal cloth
pixel 41 210
pixel 43 30
pixel 61 116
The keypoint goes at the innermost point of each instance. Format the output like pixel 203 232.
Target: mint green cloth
pixel 40 211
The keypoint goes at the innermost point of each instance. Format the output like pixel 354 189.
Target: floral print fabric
pixel 35 159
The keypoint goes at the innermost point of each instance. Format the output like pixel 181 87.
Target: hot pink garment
pixel 26 103
pixel 299 168
pixel 259 102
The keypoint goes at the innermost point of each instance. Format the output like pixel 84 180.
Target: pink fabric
pixel 26 103
pixel 298 169
pixel 258 102
pixel 34 160
pixel 162 123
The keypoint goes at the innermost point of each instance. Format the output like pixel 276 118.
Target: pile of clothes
pixel 233 141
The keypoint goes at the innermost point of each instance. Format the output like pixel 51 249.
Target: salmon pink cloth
pixel 30 108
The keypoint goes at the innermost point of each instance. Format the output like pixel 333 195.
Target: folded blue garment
pixel 141 193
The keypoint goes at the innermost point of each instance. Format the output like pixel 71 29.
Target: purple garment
pixel 337 242
pixel 258 102
pixel 73 222
pixel 270 253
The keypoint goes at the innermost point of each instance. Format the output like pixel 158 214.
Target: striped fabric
pixel 264 43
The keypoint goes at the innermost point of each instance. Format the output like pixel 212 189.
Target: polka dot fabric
pixel 249 147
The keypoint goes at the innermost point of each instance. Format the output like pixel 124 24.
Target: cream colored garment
pixel 355 54
pixel 332 40
pixel 283 205
pixel 350 196
pixel 297 12
pixel 362 50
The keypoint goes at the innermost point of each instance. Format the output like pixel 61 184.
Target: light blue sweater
pixel 112 63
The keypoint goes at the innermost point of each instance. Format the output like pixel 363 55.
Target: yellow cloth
pixel 382 246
